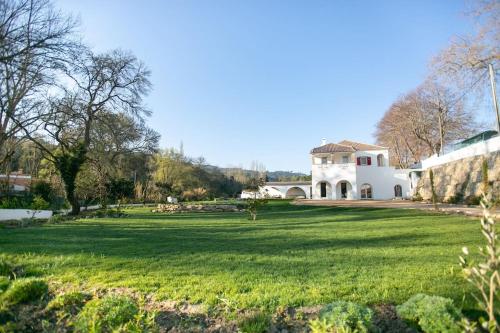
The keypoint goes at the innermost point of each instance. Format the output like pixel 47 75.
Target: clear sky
pixel 243 80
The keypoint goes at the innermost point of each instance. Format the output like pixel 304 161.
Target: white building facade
pixel 352 171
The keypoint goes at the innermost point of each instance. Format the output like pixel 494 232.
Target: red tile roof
pixel 345 146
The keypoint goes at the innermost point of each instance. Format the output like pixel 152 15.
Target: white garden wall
pixel 480 148
pixel 18 214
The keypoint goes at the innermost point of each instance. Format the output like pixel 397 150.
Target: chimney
pixel 323 141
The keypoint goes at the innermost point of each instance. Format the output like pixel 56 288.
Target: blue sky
pixel 238 81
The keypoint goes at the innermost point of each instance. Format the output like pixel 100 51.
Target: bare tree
pixel 463 65
pixel 423 122
pixel 34 40
pixel 97 85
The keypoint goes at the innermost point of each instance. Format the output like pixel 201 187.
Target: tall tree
pixel 98 85
pixel 34 40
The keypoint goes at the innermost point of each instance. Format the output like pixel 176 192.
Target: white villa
pixel 346 171
pixel 350 170
pixel 353 170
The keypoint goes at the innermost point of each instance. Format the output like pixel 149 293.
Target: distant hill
pixel 272 176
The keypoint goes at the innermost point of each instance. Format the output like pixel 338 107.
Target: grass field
pixel 293 255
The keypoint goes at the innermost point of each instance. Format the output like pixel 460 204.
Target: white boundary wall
pixel 18 214
pixel 479 148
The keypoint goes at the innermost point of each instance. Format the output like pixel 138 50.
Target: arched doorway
pixel 398 191
pixel 344 190
pixel 380 160
pixel 324 190
pixel 366 191
pixel 295 192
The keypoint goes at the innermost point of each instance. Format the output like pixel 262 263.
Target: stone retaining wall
pixel 172 208
pixel 462 178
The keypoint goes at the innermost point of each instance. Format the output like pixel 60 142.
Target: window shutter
pixel 369 160
pixel 358 161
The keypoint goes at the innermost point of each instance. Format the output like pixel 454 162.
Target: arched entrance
pixel 366 191
pixel 324 190
pixel 295 192
pixel 398 191
pixel 344 190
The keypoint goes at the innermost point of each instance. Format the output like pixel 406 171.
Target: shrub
pixel 106 314
pixel 4 283
pixel 70 302
pixel 23 291
pixel 195 194
pixel 39 203
pixel 431 314
pixel 343 317
pixel 472 200
pixel 58 218
pixel 43 189
pixel 16 202
pixel 257 322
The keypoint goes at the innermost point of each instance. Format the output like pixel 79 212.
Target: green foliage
pixel 57 218
pixel 106 314
pixel 431 314
pixel 23 291
pixel 16 202
pixel 4 283
pixel 39 203
pixel 343 316
pixel 119 188
pixel 69 163
pixel 256 322
pixel 70 302
pixel 43 189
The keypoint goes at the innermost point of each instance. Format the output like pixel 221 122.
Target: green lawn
pixel 293 255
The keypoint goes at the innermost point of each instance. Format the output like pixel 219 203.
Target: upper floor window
pixel 345 159
pixel 324 160
pixel 364 160
pixel 380 160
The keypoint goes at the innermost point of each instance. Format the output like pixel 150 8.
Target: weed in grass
pixel 343 317
pixel 114 313
pixel 23 291
pixel 70 302
pixel 431 314
pixel 256 322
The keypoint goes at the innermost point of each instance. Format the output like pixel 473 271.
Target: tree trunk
pixel 69 165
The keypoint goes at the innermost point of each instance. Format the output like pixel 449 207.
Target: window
pixel 345 159
pixel 364 160
pixel 398 191
pixel 324 160
pixel 380 160
pixel 366 191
